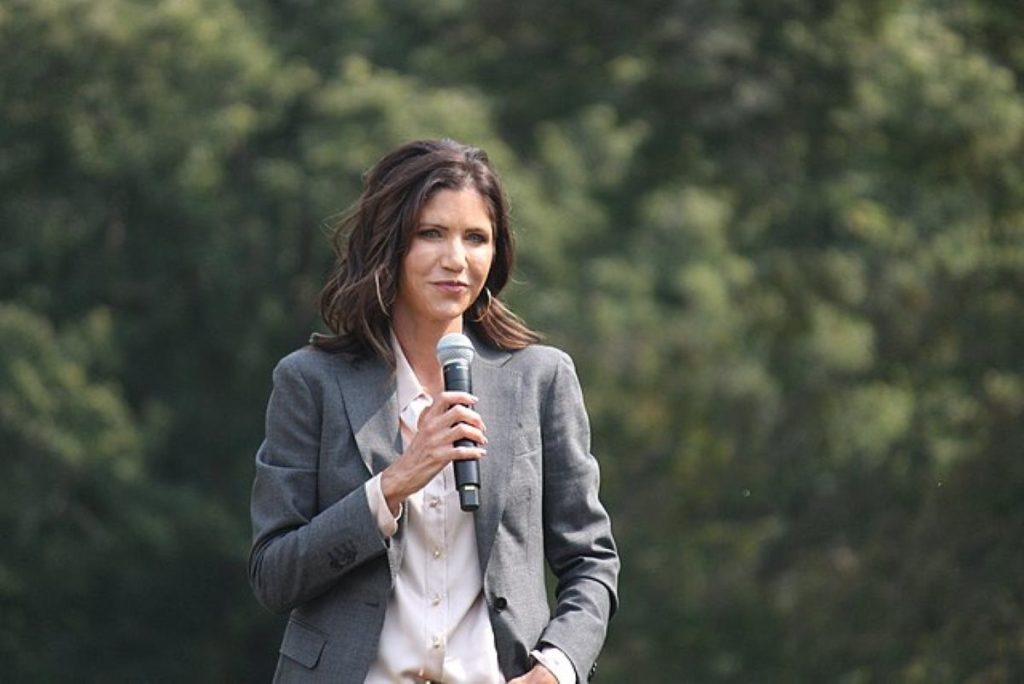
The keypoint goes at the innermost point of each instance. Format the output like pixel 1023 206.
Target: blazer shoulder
pixel 311 364
pixel 541 360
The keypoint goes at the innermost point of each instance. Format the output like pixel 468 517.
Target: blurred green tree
pixel 783 241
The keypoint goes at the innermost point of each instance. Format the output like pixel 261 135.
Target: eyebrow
pixel 432 224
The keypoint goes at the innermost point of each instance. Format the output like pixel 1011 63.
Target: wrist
pixel 543 674
pixel 555 663
pixel 392 491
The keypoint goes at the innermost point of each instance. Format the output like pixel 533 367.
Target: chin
pixel 449 315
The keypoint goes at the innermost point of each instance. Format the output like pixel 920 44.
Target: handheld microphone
pixel 455 352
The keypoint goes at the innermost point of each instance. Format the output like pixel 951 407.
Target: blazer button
pixel 500 604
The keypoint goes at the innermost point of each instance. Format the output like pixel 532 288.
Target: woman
pixel 357 530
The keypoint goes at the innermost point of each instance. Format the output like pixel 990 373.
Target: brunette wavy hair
pixel 373 237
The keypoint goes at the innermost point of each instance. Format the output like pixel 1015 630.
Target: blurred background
pixel 784 242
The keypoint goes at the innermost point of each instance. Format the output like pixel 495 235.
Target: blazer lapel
pixel 499 390
pixel 371 403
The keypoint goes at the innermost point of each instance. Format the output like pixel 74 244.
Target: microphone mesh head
pixel 453 347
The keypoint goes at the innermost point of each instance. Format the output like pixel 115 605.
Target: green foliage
pixel 783 241
pixel 94 546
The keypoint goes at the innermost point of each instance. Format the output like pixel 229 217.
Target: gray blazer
pixel 318 554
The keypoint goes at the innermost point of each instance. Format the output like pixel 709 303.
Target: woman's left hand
pixel 538 675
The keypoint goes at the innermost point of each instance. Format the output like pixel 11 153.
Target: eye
pixel 479 238
pixel 429 233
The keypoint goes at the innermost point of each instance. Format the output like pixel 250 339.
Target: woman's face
pixel 448 260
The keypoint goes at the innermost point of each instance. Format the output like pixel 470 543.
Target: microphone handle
pixel 467 471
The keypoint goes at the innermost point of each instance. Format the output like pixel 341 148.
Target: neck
pixel 419 344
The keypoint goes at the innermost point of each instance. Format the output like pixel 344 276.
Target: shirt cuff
pixel 557 662
pixel 386 523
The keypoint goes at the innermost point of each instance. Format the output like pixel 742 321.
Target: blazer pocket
pixel 303 643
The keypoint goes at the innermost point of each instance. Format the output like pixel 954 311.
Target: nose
pixel 454 257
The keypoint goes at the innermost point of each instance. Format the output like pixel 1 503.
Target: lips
pixel 451 286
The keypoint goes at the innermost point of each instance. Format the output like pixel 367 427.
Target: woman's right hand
pixel 440 425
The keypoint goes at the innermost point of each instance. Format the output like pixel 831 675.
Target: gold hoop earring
pixel 380 299
pixel 487 309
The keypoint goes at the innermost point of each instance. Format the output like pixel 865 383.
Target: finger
pixel 449 399
pixel 467 453
pixel 446 428
pixel 463 414
pixel 456 415
pixel 465 431
pixel 440 404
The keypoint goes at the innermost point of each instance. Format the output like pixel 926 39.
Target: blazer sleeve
pixel 299 551
pixel 578 539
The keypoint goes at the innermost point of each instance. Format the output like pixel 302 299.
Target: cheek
pixel 485 261
pixel 415 259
